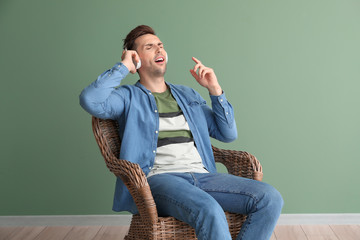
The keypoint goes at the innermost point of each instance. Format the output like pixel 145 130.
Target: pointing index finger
pixel 196 60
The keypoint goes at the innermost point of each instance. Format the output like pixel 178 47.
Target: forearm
pixel 95 98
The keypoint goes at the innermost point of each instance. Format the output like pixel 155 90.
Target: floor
pixel 293 232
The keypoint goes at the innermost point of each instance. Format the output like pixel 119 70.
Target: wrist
pixel 215 91
pixel 126 64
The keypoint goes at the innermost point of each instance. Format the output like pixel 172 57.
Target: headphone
pixel 138 64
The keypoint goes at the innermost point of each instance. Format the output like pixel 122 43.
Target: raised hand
pixel 206 77
pixel 128 58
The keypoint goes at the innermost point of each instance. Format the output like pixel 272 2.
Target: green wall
pixel 290 68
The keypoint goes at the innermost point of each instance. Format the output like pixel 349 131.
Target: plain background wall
pixel 291 69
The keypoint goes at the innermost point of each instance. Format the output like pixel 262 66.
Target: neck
pixel 153 84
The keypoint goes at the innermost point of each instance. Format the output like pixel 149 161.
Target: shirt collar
pixel 142 87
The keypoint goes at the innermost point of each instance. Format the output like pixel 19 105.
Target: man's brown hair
pixel 129 41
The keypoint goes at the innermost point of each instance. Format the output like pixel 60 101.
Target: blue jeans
pixel 200 199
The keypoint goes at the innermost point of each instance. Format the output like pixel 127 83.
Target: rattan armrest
pixel 239 163
pixel 136 182
pixel 105 132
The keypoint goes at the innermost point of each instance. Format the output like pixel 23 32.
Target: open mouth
pixel 159 60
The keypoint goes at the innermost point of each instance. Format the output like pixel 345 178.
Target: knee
pixel 272 199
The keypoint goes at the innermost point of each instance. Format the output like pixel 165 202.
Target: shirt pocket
pixel 197 113
pixel 196 103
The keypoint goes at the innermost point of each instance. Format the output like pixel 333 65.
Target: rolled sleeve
pixel 112 77
pixel 98 98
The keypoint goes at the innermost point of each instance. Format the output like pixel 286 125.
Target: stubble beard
pixel 159 72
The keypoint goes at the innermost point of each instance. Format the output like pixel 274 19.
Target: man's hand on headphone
pixel 128 58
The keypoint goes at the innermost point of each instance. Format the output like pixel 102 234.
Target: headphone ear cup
pixel 138 64
pixel 167 58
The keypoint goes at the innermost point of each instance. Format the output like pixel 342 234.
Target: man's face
pixel 152 55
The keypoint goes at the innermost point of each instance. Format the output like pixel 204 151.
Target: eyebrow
pixel 151 44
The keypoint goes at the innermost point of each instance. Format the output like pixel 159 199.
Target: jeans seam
pixel 186 209
pixel 246 226
pixel 195 179
pixel 202 230
pixel 256 201
pixel 236 192
pixel 177 203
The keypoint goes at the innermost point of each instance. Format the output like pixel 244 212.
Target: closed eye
pixel 150 45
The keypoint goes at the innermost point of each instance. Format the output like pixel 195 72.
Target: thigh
pixel 176 195
pixel 233 193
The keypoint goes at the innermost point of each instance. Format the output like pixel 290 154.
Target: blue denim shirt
pixel 134 107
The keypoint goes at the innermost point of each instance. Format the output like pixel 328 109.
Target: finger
pixel 201 71
pixel 135 56
pixel 197 66
pixel 206 71
pixel 196 60
pixel 123 55
pixel 127 54
pixel 193 73
pixel 202 74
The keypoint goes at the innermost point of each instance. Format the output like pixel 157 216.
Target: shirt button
pixel 227 113
pixel 221 100
pixel 119 65
pixel 149 93
pixel 156 132
pixel 155 110
pixel 154 151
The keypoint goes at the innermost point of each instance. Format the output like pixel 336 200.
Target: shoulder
pixel 128 92
pixel 127 89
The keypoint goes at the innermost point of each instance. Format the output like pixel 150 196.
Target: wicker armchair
pixel 147 224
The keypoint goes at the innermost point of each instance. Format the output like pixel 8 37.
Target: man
pixel 165 128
